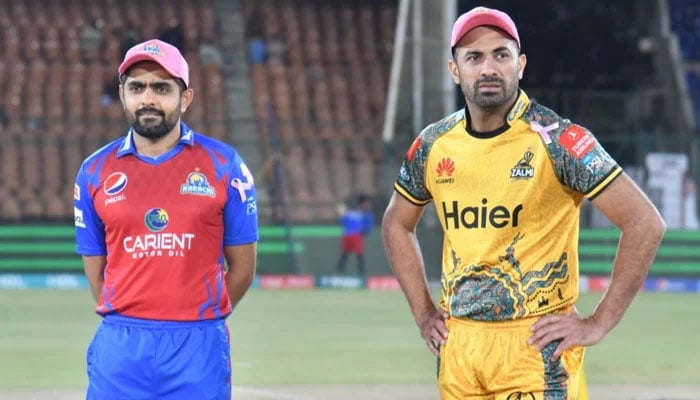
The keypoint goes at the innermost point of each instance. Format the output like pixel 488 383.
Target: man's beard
pixel 492 99
pixel 152 130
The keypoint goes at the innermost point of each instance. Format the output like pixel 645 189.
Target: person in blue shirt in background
pixel 357 222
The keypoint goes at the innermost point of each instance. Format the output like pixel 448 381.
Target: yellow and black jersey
pixel 509 204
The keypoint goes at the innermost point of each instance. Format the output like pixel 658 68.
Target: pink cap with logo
pixel 483 16
pixel 165 54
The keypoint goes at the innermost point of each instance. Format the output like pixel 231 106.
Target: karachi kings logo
pixel 198 185
pixel 523 169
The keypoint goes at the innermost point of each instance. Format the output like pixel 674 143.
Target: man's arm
pixel 94 267
pixel 642 230
pixel 403 251
pixel 241 262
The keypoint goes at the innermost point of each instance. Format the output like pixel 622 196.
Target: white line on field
pixel 268 394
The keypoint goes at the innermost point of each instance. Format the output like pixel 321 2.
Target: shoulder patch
pixel 577 141
pixel 412 150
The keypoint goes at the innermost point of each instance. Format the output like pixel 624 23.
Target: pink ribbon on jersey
pixel 241 187
pixel 544 130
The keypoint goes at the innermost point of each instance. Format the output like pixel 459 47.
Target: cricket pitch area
pixel 385 392
pixel 342 345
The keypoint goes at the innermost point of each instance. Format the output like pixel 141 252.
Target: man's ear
pixel 454 70
pixel 121 96
pixel 186 99
pixel 522 62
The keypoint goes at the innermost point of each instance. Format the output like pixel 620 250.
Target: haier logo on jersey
pixel 156 219
pixel 471 217
pixel 445 169
pixel 523 169
pixel 158 244
pixel 113 185
pixel 198 185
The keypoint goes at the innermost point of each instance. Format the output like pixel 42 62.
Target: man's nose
pixel 488 67
pixel 148 96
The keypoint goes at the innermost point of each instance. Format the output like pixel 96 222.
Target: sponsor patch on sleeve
pixel 78 213
pixel 412 150
pixel 577 141
pixel 76 192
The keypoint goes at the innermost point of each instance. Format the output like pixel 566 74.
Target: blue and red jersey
pixel 356 221
pixel 163 223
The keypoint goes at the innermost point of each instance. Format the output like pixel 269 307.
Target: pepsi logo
pixel 114 183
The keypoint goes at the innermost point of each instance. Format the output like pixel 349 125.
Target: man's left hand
pixel 572 329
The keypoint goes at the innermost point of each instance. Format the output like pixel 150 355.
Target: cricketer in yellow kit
pixel 507 178
pixel 498 272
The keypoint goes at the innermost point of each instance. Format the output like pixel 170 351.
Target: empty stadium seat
pixel 53 88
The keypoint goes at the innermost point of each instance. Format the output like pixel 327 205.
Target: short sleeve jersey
pixel 509 204
pixel 163 223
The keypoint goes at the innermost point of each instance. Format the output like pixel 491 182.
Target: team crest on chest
pixel 197 184
pixel 523 169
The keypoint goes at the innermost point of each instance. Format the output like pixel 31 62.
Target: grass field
pixel 325 337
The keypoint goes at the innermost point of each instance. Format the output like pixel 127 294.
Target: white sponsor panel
pixel 78 215
pixel 63 281
pixel 12 281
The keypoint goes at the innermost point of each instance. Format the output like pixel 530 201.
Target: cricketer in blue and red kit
pixel 166 222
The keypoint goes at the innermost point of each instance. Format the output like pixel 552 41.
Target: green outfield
pixel 335 337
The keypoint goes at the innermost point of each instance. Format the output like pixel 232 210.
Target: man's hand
pixel 433 330
pixel 572 329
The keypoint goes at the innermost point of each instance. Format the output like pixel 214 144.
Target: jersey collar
pixel 518 108
pixel 127 147
pixel 516 111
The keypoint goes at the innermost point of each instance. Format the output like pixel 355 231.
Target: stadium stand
pixel 317 97
pixel 323 95
pixel 57 72
pixel 685 22
pixel 321 90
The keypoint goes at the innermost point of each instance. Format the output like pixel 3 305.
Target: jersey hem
pixel 90 252
pixel 404 193
pixel 243 241
pixel 604 183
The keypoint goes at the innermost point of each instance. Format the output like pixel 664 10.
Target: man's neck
pixel 481 120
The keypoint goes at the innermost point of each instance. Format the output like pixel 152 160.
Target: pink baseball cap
pixel 483 16
pixel 165 54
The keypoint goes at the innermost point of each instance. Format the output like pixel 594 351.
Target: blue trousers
pixel 135 359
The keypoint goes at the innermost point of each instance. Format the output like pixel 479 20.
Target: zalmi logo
pixel 445 170
pixel 523 169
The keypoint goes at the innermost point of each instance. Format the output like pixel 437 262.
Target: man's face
pixel 152 100
pixel 487 68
